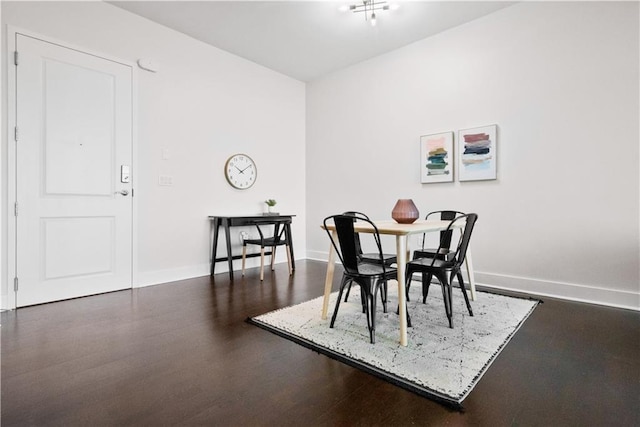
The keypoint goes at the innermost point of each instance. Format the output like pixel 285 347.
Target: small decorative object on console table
pixel 405 211
pixel 270 205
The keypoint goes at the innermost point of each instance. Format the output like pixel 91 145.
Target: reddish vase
pixel 405 211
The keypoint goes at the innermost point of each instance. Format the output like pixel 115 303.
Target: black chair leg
pixel 335 311
pixel 464 292
pixel 348 290
pixel 450 290
pixel 372 314
pixel 426 282
pixel 446 296
pixel 383 296
pixel 407 281
pixel 370 303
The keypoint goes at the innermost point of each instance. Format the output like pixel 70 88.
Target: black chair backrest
pixel 445 235
pixel 347 236
pixel 465 236
pixel 278 227
pixel 356 236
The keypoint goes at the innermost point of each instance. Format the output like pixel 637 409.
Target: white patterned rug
pixel 441 363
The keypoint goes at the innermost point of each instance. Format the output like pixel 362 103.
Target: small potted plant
pixel 270 204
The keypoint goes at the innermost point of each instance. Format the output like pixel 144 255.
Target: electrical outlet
pixel 244 235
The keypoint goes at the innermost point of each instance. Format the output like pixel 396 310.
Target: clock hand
pixel 241 170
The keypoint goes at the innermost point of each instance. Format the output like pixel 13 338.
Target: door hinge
pixel 15 57
pixel 15 284
pixel 15 133
pixel 132 190
pixel 15 209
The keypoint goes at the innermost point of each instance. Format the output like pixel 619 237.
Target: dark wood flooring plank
pixel 182 354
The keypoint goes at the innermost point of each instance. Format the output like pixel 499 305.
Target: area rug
pixel 440 363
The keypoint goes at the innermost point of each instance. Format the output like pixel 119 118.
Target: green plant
pixel 270 202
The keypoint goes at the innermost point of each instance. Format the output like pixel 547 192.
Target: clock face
pixel 240 171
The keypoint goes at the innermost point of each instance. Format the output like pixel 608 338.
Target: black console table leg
pixel 214 247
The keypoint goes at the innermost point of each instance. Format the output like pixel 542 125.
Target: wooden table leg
pixel 287 227
pixel 468 264
pixel 401 254
pixel 227 232
pixel 328 281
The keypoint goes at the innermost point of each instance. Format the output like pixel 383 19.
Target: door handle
pixel 123 192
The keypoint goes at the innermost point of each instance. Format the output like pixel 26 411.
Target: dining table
pixel 401 232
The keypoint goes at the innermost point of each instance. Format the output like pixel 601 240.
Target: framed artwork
pixel 477 153
pixel 436 158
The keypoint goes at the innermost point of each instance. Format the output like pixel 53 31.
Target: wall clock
pixel 240 171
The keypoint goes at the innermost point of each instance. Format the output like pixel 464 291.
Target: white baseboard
pixel 539 287
pixel 569 291
pixel 317 256
pixel 158 277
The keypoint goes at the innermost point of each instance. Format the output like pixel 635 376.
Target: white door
pixel 74 212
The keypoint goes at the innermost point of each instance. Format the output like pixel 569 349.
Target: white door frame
pixel 9 300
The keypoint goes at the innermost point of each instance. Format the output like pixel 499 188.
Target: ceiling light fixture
pixel 369 8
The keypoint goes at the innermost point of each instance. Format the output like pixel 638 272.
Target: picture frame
pixel 436 158
pixel 477 153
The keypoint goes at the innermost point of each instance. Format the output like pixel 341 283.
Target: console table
pixel 227 222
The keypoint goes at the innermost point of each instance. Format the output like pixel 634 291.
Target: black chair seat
pixel 368 269
pixel 446 254
pixel 387 259
pixel 431 264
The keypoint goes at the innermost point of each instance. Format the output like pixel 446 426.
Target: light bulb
pixel 373 19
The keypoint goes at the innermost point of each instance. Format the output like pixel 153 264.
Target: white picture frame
pixel 436 158
pixel 477 154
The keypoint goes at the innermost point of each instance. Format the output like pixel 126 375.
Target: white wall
pixel 559 79
pixel 561 82
pixel 203 106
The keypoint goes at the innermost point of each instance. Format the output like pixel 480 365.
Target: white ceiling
pixel 307 39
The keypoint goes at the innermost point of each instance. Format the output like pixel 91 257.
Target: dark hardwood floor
pixel 182 354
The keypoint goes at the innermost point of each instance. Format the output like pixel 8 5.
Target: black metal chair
pixel 370 277
pixel 445 237
pixel 371 258
pixel 444 251
pixel 445 269
pixel 280 237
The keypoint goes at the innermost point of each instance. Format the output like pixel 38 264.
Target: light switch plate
pixel 165 180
